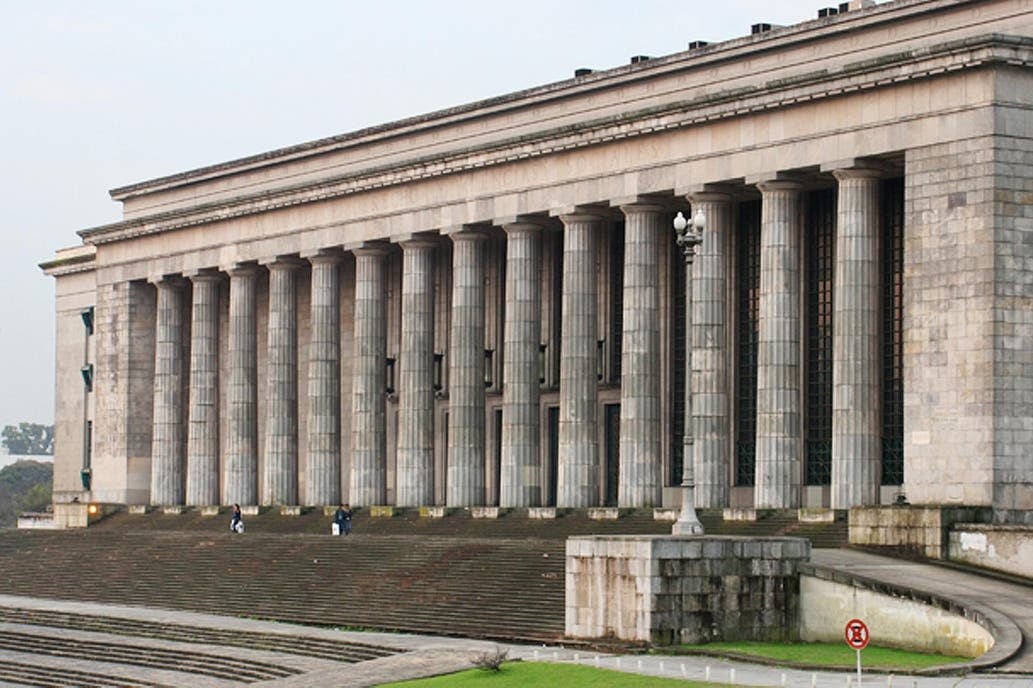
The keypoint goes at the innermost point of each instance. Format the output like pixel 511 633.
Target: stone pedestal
pixel 922 529
pixel 664 590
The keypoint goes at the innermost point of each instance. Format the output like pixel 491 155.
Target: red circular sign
pixel 856 634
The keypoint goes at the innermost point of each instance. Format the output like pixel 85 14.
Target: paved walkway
pixel 427 655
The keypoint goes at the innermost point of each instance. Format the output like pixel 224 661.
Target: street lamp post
pixel 689 236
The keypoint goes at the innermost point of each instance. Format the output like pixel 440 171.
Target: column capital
pixel 203 275
pixel 713 193
pixel 416 239
pixel 642 203
pixel 240 269
pixel 171 281
pixel 539 222
pixel 466 233
pixel 323 255
pixel 851 168
pixel 288 262
pixel 369 248
pixel 583 213
pixel 779 184
pixel 778 177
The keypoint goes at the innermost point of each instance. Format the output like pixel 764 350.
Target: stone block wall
pixel 949 275
pixel 123 381
pixel 1002 548
pixel 921 529
pixel 1013 295
pixel 968 311
pixel 666 590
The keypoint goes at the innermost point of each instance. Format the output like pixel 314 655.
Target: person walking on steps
pixel 236 522
pixel 343 520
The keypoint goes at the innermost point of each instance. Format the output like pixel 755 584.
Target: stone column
pixel 369 361
pixel 465 480
pixel 578 484
pixel 416 376
pixel 280 485
pixel 167 436
pixel 203 425
pixel 323 476
pixel 778 348
pixel 639 484
pixel 520 480
pixel 710 350
pixel 856 424
pixel 240 483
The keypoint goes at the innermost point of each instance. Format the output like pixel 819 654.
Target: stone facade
pixel 920 530
pixel 666 590
pixel 484 306
pixel 1003 548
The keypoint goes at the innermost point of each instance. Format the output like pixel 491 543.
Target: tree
pixel 24 486
pixel 29 439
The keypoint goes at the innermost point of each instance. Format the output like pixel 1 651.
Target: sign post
pixel 857 637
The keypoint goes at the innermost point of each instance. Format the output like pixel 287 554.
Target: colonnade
pixel 185 456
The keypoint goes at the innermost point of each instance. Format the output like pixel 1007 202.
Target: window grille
pixel 893 332
pixel 820 252
pixel 747 309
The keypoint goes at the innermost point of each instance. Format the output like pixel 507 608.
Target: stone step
pixel 494 578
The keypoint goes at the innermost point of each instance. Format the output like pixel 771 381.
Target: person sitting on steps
pixel 236 522
pixel 343 520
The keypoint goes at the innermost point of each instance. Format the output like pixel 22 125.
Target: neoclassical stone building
pixel 487 306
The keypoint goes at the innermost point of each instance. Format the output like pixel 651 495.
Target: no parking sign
pixel 857 637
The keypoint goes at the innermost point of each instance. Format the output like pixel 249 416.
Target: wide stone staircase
pixel 492 578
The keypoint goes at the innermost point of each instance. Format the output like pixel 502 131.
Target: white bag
pixel 335 528
pixel 240 526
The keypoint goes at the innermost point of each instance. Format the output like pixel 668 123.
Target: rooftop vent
pixel 635 59
pixel 582 71
pixel 763 28
pixel 828 12
pixel 698 44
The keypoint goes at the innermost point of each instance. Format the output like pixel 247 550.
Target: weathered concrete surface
pixel 922 529
pixel 1008 600
pixel 1003 548
pixel 665 590
pixel 826 606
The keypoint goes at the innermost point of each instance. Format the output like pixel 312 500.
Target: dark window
pixel 677 271
pixel 87 458
pixel 747 308
pixel 820 251
pixel 498 455
pixel 87 320
pixel 617 299
pixel 87 376
pixel 554 455
pixel 613 453
pixel 893 332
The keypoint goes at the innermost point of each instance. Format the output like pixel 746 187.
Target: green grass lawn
pixel 823 654
pixel 545 675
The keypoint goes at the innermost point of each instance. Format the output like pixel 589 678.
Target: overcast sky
pixel 96 95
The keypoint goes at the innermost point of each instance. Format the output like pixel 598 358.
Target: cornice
pixel 84 262
pixel 703 57
pixel 920 63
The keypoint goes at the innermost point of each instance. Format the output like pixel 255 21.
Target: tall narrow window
pixel 677 281
pixel 616 301
pixel 747 309
pixel 820 259
pixel 893 332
